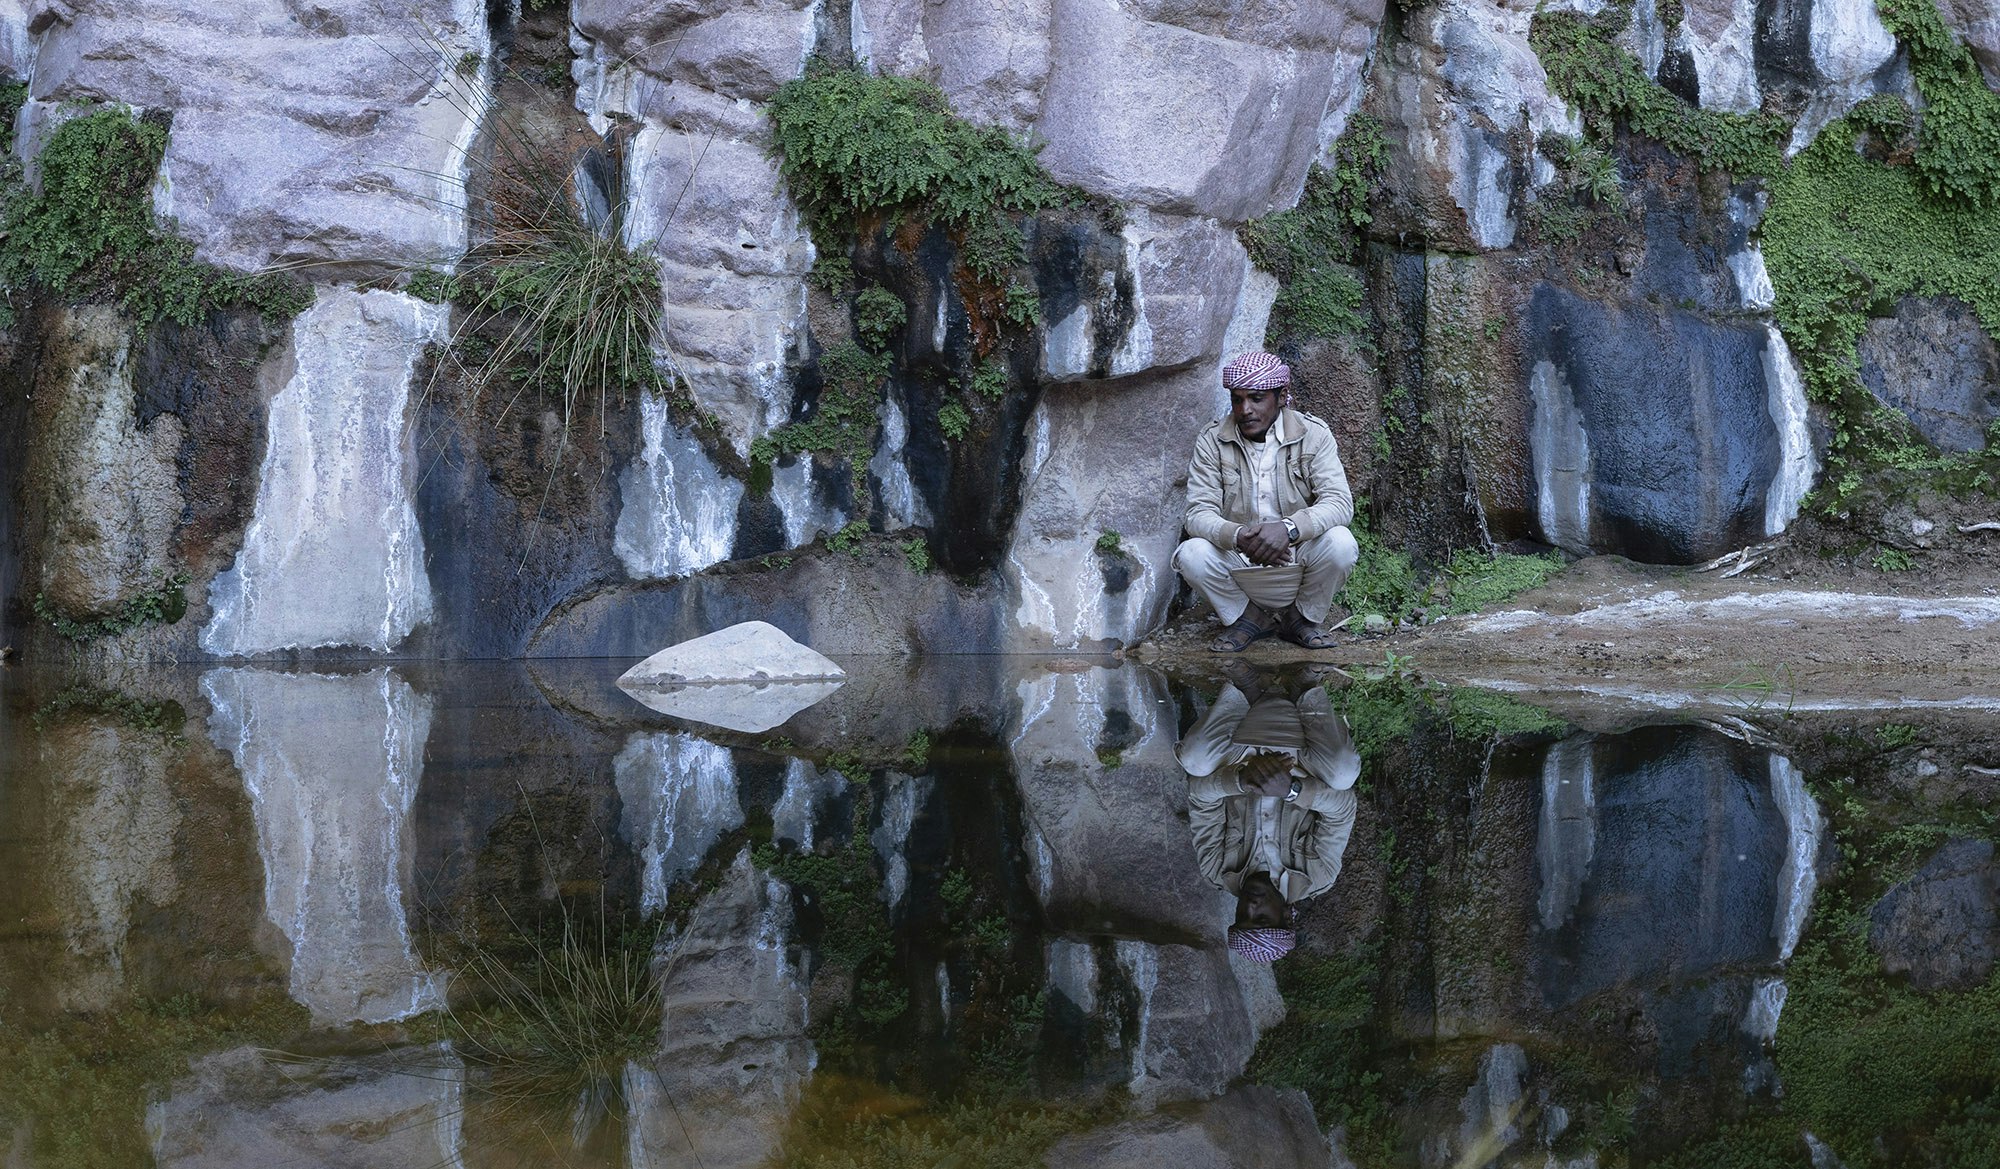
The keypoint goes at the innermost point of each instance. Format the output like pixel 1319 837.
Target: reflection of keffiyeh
pixel 1256 371
pixel 1262 943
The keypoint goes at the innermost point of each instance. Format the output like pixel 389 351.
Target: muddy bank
pixel 1674 638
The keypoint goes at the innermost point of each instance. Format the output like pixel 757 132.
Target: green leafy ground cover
pixel 1309 248
pixel 88 233
pixel 857 148
pixel 1387 582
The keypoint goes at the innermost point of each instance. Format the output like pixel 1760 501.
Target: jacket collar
pixel 1288 420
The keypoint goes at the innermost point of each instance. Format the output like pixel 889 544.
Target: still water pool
pixel 978 912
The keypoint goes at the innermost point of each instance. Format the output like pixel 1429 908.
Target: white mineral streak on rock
pixel 333 138
pixel 1067 345
pixel 1141 964
pixel 332 765
pixel 1249 322
pixel 1089 472
pixel 679 797
pixel 1767 1001
pixel 797 810
pixel 333 555
pixel 1799 875
pixel 1785 398
pixel 1646 37
pixel 677 512
pixel 1561 450
pixel 1849 46
pixel 1721 37
pixel 17 44
pixel 1753 280
pixel 1568 837
pixel 249 1106
pixel 799 505
pixel 891 838
pixel 1072 973
pixel 1488 84
pixel 898 494
pixel 1492 1105
pixel 733 1050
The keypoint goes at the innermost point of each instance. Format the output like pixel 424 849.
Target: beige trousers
pixel 1327 559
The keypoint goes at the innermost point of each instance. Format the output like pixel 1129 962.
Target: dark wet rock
pixel 1250 1128
pixel 1934 362
pixel 1659 423
pixel 1942 926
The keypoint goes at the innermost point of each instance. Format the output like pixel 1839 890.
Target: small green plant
pixel 1478 581
pixel 1895 735
pixel 1309 247
pixel 1022 306
pixel 1893 560
pixel 956 890
pixel 165 718
pixel 164 604
pixel 434 286
pixel 831 272
pixel 843 420
pixel 917 751
pixel 13 95
pixel 989 380
pixel 954 421
pixel 849 538
pixel 1110 542
pixel 878 313
pixel 469 64
pixel 917 554
pixel 1110 758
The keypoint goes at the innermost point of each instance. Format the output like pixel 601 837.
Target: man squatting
pixel 1266 486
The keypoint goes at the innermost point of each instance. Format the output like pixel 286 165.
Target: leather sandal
pixel 1300 632
pixel 1238 634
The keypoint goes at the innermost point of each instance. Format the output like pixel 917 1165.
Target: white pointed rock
pixel 753 651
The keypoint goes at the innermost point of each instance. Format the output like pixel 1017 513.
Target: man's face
pixel 1254 411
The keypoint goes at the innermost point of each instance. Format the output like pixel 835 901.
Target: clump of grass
pixel 558 1016
pixel 1110 542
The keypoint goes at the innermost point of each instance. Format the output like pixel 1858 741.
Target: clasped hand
pixel 1265 543
pixel 1266 774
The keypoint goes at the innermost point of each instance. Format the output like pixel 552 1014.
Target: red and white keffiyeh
pixel 1256 371
pixel 1262 943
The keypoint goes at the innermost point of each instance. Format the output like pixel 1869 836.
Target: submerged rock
pixel 753 651
pixel 1942 926
pixel 1253 1127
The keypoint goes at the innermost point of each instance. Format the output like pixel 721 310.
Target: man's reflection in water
pixel 1271 802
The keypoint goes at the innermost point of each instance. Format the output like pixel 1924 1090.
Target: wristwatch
pixel 1294 793
pixel 1291 532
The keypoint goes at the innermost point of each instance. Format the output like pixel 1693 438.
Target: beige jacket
pixel 1312 831
pixel 1312 486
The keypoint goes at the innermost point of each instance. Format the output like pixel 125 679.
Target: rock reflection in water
pixel 976 939
pixel 248 1107
pixel 332 765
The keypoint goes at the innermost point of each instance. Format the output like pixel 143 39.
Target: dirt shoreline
pixel 1619 633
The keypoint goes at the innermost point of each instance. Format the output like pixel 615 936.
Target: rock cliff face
pixel 1567 333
